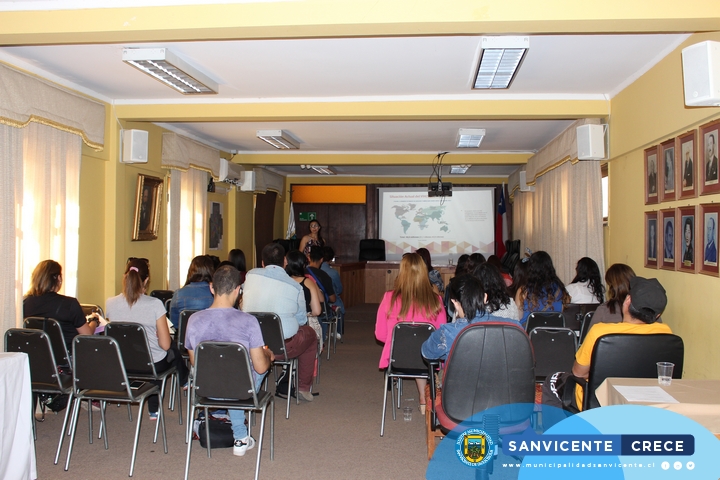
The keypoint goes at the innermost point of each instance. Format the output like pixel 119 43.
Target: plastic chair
pixel 55 334
pixel 272 331
pixel 99 374
pixel 554 350
pixel 630 356
pixel 372 249
pixel 406 361
pixel 139 365
pixel 544 319
pixel 43 371
pixel 223 379
pixel 490 364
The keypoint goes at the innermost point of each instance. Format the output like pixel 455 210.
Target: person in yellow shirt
pixel 640 312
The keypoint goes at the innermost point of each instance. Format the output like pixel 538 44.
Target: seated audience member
pixel 474 261
pixel 543 291
pixel 461 267
pixel 328 256
pixel 221 322
pixel 641 309
pixel 412 300
pixel 468 297
pixel 315 261
pixel 495 262
pixel 498 301
pixel 295 266
pixel 195 294
pixel 433 275
pixel 270 289
pixel 618 278
pixel 519 281
pixel 42 300
pixel 133 306
pixel 587 285
pixel 237 258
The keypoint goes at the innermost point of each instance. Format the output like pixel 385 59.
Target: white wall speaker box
pixel 135 146
pixel 223 174
pixel 701 74
pixel 590 142
pixel 524 187
pixel 248 181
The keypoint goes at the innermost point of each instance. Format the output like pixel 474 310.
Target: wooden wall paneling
pixel 352 277
pixel 264 221
pixel 348 228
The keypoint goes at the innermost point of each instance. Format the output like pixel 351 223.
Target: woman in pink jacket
pixel 412 300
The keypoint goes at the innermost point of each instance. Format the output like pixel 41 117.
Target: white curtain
pixel 563 216
pixel 186 222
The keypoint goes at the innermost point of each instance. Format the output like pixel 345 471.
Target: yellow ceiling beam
pixel 373 159
pixel 353 18
pixel 368 110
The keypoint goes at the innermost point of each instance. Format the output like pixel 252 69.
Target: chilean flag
pixel 501 227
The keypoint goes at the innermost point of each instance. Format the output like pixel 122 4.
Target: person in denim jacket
pixel 195 294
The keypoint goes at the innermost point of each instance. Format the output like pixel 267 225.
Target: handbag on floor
pixel 221 434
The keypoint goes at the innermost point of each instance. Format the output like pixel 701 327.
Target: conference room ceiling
pixel 393 96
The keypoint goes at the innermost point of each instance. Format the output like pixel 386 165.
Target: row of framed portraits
pixel 683 167
pixel 683 239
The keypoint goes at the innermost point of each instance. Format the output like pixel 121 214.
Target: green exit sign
pixel 307 216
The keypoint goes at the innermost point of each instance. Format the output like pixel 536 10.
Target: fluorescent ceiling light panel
pixel 499 61
pixel 163 65
pixel 323 170
pixel 470 137
pixel 459 169
pixel 279 139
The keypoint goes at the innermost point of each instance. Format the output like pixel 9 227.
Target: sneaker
pixel 242 446
pixel 338 336
pixel 153 416
pixel 307 396
pixel 95 405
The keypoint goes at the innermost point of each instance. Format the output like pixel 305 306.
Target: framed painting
pixel 668 250
pixel 709 158
pixel 147 207
pixel 687 250
pixel 651 241
pixel 708 239
pixel 215 226
pixel 687 165
pixel 651 176
pixel 668 186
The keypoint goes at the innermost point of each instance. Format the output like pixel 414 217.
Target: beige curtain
pixel 563 216
pixel 186 222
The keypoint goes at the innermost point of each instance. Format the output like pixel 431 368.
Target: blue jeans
pixel 237 417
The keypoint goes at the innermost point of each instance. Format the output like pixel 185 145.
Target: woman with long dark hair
pixel 237 258
pixel 498 301
pixel 618 278
pixel 543 291
pixel 587 285
pixel 296 264
pixel 433 275
pixel 195 294
pixel 412 300
pixel 133 306
pixel 313 238
pixel 42 300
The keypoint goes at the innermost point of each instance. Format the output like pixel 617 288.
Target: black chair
pixel 372 249
pixel 138 361
pixel 490 364
pixel 585 326
pixel 44 373
pixel 544 319
pixel 554 350
pixel 57 339
pixel 406 361
pixel 182 329
pixel 165 296
pixel 575 312
pixel 99 374
pixel 272 331
pixel 90 308
pixel 631 356
pixel 223 379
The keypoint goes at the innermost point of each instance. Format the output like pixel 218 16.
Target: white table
pixel 17 447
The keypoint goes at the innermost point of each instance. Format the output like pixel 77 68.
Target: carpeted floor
pixel 335 436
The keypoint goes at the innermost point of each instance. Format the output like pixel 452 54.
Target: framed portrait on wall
pixel 651 176
pixel 687 251
pixel 709 158
pixel 687 165
pixel 651 240
pixel 215 226
pixel 708 259
pixel 147 207
pixel 669 174
pixel 668 250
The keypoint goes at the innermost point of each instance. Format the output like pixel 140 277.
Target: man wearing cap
pixel 641 310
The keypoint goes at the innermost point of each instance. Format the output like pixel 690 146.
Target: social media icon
pixel 690 465
pixel 677 465
pixel 665 465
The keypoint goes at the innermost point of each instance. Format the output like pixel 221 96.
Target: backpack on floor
pixel 221 434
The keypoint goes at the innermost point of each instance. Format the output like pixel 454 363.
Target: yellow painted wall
pixel 650 111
